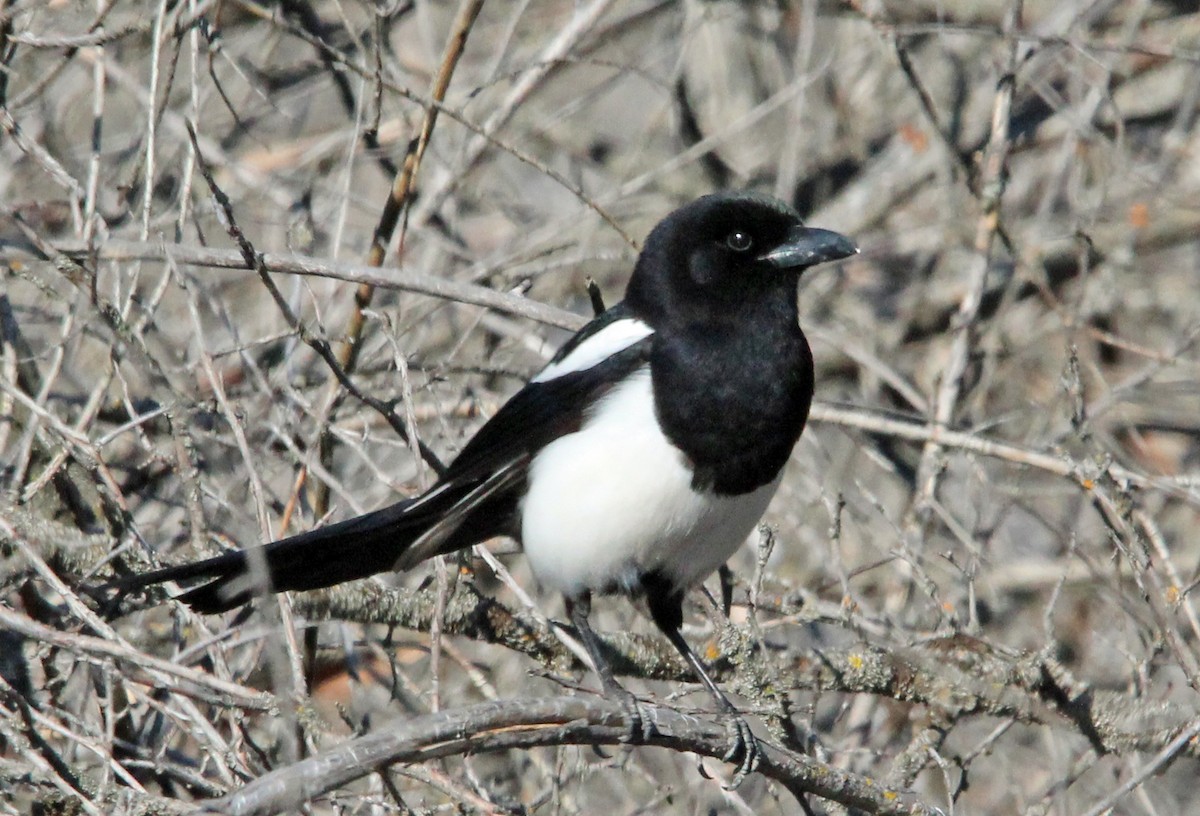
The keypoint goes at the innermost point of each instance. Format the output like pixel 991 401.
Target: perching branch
pixel 532 723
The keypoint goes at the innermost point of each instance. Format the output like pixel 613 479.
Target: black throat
pixel 733 388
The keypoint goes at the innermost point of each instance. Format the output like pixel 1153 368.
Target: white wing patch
pixel 610 340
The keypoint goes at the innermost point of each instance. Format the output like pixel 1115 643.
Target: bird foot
pixel 641 729
pixel 743 749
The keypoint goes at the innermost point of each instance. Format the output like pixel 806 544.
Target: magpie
pixel 635 462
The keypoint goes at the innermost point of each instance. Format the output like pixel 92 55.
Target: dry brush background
pixel 976 589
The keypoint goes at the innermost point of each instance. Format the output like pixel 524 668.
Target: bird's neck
pixel 733 391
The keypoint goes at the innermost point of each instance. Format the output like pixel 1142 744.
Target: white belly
pixel 614 501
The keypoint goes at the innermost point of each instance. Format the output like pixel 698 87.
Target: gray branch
pixel 524 724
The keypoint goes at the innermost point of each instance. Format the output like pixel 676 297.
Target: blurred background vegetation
pixel 994 506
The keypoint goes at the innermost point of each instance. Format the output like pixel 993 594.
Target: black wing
pixel 476 500
pixel 543 411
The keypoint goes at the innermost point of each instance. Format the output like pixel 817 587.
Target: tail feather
pixel 355 548
pixel 467 508
pixel 352 549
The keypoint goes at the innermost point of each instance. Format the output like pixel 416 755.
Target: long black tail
pixel 458 512
pixel 355 548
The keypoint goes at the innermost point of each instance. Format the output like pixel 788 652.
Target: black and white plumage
pixel 636 461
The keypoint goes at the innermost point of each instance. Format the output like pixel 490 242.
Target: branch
pixel 958 676
pixel 531 723
pixel 164 673
pixel 961 676
pixel 286 263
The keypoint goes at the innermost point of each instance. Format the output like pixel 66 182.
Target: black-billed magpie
pixel 639 458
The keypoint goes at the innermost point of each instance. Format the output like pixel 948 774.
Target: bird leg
pixel 725 574
pixel 666 608
pixel 578 610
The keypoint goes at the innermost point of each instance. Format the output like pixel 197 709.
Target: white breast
pixel 614 501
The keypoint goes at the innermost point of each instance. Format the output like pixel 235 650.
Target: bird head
pixel 724 250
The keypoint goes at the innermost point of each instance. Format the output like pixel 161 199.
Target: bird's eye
pixel 739 241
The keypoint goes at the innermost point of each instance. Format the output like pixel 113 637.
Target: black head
pixel 724 250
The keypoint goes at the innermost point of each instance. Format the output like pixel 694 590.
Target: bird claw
pixel 743 748
pixel 640 728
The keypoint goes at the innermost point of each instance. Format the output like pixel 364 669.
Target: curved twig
pixel 532 723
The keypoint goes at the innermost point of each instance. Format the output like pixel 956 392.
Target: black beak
pixel 806 246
